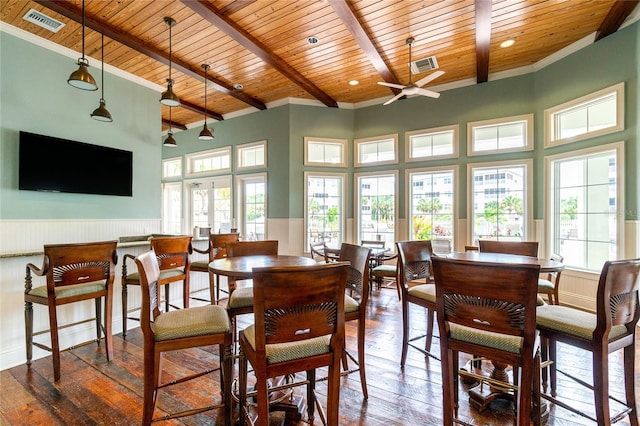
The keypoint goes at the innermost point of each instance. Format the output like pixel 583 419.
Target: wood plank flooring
pixel 93 391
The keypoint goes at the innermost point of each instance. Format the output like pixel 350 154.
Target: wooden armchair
pixel 174 259
pixel 299 326
pixel 74 272
pixel 217 249
pixel 550 285
pixel 522 248
pixel 318 251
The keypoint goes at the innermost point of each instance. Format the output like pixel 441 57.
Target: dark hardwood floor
pixel 94 391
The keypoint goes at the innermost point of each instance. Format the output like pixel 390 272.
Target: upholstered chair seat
pixel 281 352
pixel 573 321
pixel 192 322
pixel 424 291
pixel 70 290
pixel 241 298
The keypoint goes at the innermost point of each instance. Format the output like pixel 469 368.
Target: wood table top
pixel 241 267
pixel 546 265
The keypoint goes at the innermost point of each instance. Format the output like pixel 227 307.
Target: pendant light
pixel 81 78
pixel 170 141
pixel 205 133
pixel 101 113
pixel 169 98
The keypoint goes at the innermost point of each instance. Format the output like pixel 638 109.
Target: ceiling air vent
pixel 43 20
pixel 422 65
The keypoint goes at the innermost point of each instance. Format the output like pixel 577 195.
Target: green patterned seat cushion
pixel 241 298
pixel 350 304
pixel 486 338
pixel 70 290
pixel 572 321
pixel 199 321
pixel 384 271
pixel 424 291
pixel 545 285
pixel 166 274
pixel 282 352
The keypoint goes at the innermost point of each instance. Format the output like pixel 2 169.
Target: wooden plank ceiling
pixel 263 44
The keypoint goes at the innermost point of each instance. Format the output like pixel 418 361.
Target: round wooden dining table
pixel 546 265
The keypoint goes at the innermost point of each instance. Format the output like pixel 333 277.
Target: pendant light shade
pixel 205 134
pixel 169 98
pixel 170 141
pixel 101 113
pixel 81 78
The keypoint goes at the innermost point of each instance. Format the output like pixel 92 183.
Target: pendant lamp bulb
pixel 170 141
pixel 169 98
pixel 81 78
pixel 101 113
pixel 205 134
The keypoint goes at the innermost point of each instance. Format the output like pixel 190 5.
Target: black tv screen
pixel 52 164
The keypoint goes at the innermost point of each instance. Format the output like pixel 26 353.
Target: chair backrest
pixel 173 252
pixel 358 276
pixel 218 244
pixel 495 297
pixel 251 248
pixel 415 261
pixel 317 252
pixel 522 248
pixel 298 303
pixel 617 300
pixel 441 245
pixel 149 271
pixel 554 276
pixel 70 264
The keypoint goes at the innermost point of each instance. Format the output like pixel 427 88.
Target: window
pixel 251 155
pixel 377 206
pixel 378 150
pixel 210 203
pixel 325 152
pixel 596 114
pixel 213 161
pixel 585 205
pixel 501 200
pixel 172 168
pixel 430 144
pixel 500 135
pixel 172 208
pixel 252 206
pixel 431 203
pixel 324 210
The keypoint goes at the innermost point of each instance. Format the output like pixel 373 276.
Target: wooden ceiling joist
pixel 616 16
pixel 173 124
pixel 483 39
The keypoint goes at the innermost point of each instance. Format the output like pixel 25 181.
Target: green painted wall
pixel 35 97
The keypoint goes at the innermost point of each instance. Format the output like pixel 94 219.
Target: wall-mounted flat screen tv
pixel 52 164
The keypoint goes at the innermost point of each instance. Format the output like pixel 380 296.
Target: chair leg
pixel 448 399
pixel 98 303
pixel 166 297
pixel 151 366
pixel 455 367
pixel 124 310
pixel 242 392
pixel 226 372
pixel 262 399
pixel 55 344
pixel 108 323
pixel 333 394
pixel 28 325
pixel 629 383
pixel 427 344
pixel 405 332
pixel 524 398
pixel 601 385
pixel 361 364
pixel 311 386
pixel 185 292
pixel 553 374
pixel 536 405
pixel 212 289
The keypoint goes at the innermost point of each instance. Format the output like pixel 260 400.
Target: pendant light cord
pixel 82 29
pixel 170 52
pixel 102 71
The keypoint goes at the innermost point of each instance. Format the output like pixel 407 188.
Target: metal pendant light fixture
pixel 101 113
pixel 81 78
pixel 205 134
pixel 169 98
pixel 170 141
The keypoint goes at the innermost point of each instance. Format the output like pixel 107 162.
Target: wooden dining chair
pixel 489 310
pixel 216 249
pixel 414 274
pixel 612 327
pixel 355 304
pixel 177 330
pixel 73 272
pixel 299 326
pixel 317 251
pixel 522 248
pixel 550 285
pixel 174 259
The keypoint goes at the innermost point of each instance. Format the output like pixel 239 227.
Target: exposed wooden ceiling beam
pixel 196 108
pixel 173 124
pixel 616 16
pixel 68 10
pixel 353 24
pixel 483 39
pixel 246 40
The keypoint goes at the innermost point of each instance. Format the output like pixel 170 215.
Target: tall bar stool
pixel 217 249
pixel 74 272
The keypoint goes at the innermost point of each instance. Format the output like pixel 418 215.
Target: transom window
pixel 324 210
pixel 172 168
pixel 325 152
pixel 213 161
pixel 592 115
pixel 429 144
pixel 377 150
pixel 500 135
pixel 251 155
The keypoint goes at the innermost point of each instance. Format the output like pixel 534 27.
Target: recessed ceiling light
pixel 238 86
pixel 313 40
pixel 354 82
pixel 507 43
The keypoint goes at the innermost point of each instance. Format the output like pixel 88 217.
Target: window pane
pixel 377 208
pixel 485 138
pixel 443 143
pixel 511 135
pixel 324 209
pixel 251 156
pixel 376 151
pixel 432 199
pixel 254 210
pixel 172 168
pixel 171 208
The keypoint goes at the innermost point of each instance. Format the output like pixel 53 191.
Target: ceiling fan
pixel 413 88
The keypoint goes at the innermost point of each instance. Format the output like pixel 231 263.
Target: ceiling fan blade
pixel 430 93
pixel 395 98
pixel 429 78
pixel 397 86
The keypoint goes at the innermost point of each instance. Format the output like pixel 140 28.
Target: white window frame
pixel 247 147
pixel 210 183
pixel 550 196
pixel 190 158
pixel 358 196
pixel 240 182
pixel 166 164
pixel 167 187
pixel 550 134
pixel 527 208
pixel 528 143
pixel 343 204
pixel 358 143
pixel 343 151
pixel 454 129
